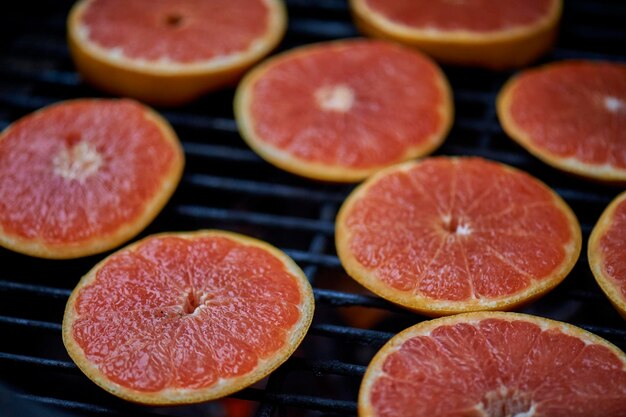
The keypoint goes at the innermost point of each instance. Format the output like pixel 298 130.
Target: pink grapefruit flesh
pixel 187 30
pixel 486 33
pixel 493 364
pixel 607 252
pixel 448 235
pixel 83 176
pixel 481 16
pixel 187 317
pixel 340 111
pixel 571 115
pixel 171 52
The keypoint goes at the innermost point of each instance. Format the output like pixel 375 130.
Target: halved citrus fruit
pixel 494 364
pixel 571 115
pixel 171 52
pixel 187 317
pixel 449 235
pixel 340 111
pixel 83 176
pixel 488 33
pixel 606 252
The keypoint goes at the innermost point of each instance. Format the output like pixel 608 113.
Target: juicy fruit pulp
pixel 495 365
pixel 485 33
pixel 607 252
pixel 188 31
pixel 456 234
pixel 188 317
pixel 482 16
pixel 339 111
pixel 80 172
pixel 170 52
pixel 572 115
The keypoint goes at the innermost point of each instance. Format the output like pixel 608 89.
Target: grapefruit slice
pixel 487 33
pixel 187 317
pixel 171 52
pixel 495 364
pixel 606 252
pixel 84 176
pixel 571 115
pixel 450 235
pixel 340 111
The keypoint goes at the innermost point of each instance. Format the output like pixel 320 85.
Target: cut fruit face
pixel 571 115
pixel 494 364
pixel 187 317
pixel 607 253
pixel 84 176
pixel 489 33
pixel 449 235
pixel 202 45
pixel 340 111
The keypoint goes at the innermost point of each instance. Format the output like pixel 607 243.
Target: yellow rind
pixel 424 328
pixel 498 50
pixel 435 308
pixel 133 226
pixel 156 83
pixel 225 386
pixel 596 259
pixel 315 170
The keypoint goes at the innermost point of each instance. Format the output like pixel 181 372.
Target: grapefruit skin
pixel 571 115
pixel 415 226
pixel 140 204
pixel 607 254
pixel 496 49
pixel 332 157
pixel 203 386
pixel 495 364
pixel 166 83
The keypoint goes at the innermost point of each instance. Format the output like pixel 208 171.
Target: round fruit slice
pixel 84 176
pixel 571 115
pixel 340 111
pixel 607 252
pixel 488 33
pixel 450 235
pixel 187 317
pixel 495 364
pixel 171 52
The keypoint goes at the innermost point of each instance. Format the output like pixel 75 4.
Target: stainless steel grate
pixel 227 186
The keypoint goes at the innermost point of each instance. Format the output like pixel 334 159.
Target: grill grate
pixel 227 186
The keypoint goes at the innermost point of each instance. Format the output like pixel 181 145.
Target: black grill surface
pixel 227 186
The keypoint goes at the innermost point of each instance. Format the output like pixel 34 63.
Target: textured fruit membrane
pixel 458 229
pixel 359 104
pixel 499 368
pixel 180 313
pixel 613 248
pixel 574 110
pixel 463 15
pixel 185 30
pixel 77 170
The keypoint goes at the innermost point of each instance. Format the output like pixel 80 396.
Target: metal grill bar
pixel 262 189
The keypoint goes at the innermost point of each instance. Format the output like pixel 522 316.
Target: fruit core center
pixel 192 302
pixel 337 98
pixel 613 104
pixel 174 20
pixel 78 160
pixel 452 225
pixel 504 402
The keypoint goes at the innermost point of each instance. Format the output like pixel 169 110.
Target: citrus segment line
pixel 521 246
